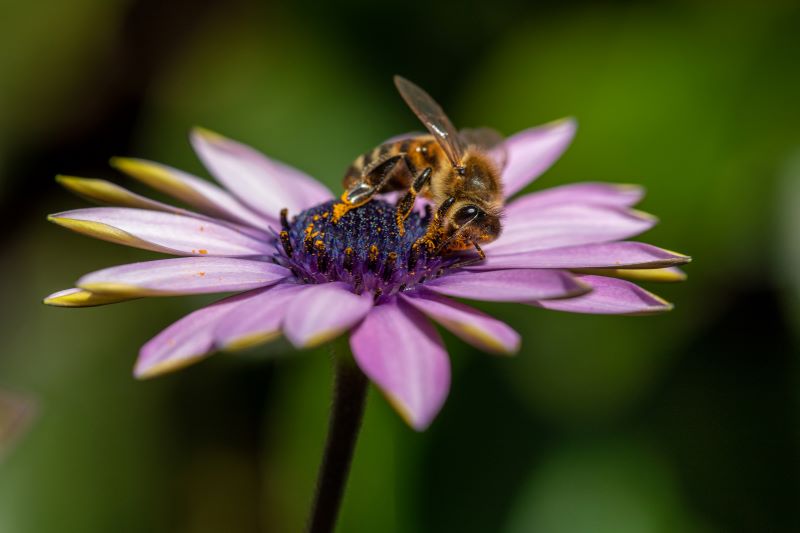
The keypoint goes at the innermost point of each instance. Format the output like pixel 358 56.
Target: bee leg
pixel 472 260
pixel 406 203
pixel 432 239
pixel 481 253
pixel 363 191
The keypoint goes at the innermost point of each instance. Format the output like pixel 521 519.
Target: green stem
pixel 349 398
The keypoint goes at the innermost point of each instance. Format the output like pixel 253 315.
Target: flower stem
pixel 349 398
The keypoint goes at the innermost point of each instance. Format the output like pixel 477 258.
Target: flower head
pixel 268 236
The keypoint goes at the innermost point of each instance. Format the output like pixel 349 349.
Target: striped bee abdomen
pixel 417 152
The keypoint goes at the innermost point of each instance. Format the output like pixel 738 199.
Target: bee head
pixel 472 223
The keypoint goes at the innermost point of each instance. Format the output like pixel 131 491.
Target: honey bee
pixel 459 171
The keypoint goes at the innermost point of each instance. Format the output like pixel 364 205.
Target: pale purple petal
pixel 626 254
pixel 401 352
pixel 106 193
pixel 508 285
pixel 161 232
pixel 257 320
pixel 322 312
pixel 188 340
pixel 587 193
pixel 610 296
pixel 530 152
pixel 471 325
pixel 264 184
pixel 197 192
pixel 185 275
pixel 569 225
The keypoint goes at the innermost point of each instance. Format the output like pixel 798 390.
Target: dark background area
pixel 684 422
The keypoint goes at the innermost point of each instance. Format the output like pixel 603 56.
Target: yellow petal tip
pixel 166 367
pixel 564 120
pixel 249 341
pixel 63 178
pixel 132 166
pixel 480 337
pixel 404 413
pixel 643 215
pixel 661 275
pixel 117 289
pixel 321 338
pixel 628 187
pixel 82 298
pixel 117 161
pixel 679 256
pixel 207 134
pixel 98 230
pixel 581 288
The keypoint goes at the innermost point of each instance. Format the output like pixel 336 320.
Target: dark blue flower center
pixel 364 248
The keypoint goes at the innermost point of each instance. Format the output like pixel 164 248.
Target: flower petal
pixel 197 192
pixel 184 275
pixel 401 352
pixel 161 232
pixel 662 275
pixel 471 325
pixel 262 183
pixel 106 193
pixel 508 285
pixel 610 296
pixel 530 152
pixel 586 193
pixel 570 225
pixel 628 254
pixel 188 340
pixel 322 312
pixel 83 298
pixel 258 320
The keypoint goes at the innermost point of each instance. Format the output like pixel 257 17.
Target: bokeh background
pixel 686 422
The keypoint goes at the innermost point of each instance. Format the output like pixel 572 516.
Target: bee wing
pixel 432 115
pixel 487 139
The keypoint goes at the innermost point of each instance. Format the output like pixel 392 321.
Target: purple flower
pixel 561 248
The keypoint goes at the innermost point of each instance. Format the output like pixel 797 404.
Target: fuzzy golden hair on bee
pixel 481 174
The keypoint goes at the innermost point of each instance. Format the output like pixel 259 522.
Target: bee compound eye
pixel 466 214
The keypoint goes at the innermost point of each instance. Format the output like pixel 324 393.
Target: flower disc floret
pixel 363 249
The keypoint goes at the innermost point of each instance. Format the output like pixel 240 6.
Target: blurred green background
pixel 686 422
